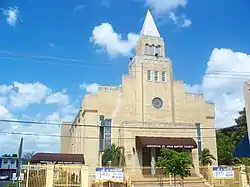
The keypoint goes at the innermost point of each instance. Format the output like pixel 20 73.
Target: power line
pixel 212 75
pixel 225 72
pixel 39 56
pixel 54 63
pixel 94 125
pixel 76 137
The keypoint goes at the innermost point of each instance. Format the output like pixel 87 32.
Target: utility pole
pixel 18 170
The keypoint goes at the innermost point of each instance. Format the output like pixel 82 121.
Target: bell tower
pixel 150 42
pixel 152 73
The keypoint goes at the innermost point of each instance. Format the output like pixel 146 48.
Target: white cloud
pixel 25 94
pixel 5 88
pixel 12 15
pixel 57 98
pixel 181 21
pixel 90 88
pixel 222 84
pixel 107 39
pixel 196 88
pixel 4 113
pixel 21 95
pixel 162 6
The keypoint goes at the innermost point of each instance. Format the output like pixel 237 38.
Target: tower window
pixel 156 75
pixel 149 78
pixel 163 76
pixel 158 50
pixel 146 49
pixel 152 50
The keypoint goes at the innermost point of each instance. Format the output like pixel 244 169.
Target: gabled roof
pixel 149 28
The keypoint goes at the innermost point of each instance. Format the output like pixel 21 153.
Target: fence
pixel 78 176
pixel 54 176
pixel 202 176
pixel 237 181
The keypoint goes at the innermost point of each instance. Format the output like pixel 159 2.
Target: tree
pixel 28 155
pixel 9 155
pixel 175 163
pixel 225 148
pixel 206 158
pixel 229 138
pixel 115 154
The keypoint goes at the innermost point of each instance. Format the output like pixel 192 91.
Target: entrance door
pixel 146 157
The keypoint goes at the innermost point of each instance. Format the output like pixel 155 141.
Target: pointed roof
pixel 149 28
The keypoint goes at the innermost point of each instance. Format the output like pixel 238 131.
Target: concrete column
pixel 243 176
pixel 85 176
pixel 49 175
pixel 195 157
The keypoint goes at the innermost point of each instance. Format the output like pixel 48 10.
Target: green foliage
pixel 206 158
pixel 11 185
pixel 175 163
pixel 229 138
pixel 225 148
pixel 28 155
pixel 9 155
pixel 115 154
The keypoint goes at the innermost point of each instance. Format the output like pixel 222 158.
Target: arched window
pixel 146 50
pixel 158 50
pixel 152 49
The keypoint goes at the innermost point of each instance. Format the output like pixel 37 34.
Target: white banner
pixel 226 172
pixel 109 174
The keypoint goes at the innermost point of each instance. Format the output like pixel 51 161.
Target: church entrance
pixel 151 147
pixel 148 153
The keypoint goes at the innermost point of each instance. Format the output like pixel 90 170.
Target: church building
pixel 149 111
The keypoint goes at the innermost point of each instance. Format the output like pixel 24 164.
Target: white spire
pixel 149 28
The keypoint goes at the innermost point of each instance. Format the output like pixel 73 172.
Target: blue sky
pixel 196 33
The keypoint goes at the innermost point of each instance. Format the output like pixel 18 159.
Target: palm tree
pixel 115 154
pixel 206 158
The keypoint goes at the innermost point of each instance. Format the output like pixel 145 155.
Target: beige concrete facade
pixel 246 90
pixel 130 108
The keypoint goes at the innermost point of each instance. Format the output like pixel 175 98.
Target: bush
pixel 11 185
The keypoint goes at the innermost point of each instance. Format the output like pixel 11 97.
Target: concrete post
pixel 85 176
pixel 243 176
pixel 49 175
pixel 28 174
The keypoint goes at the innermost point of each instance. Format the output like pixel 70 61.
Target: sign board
pixel 20 178
pixel 172 146
pixel 226 172
pixel 109 174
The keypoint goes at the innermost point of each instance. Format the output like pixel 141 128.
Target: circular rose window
pixel 157 103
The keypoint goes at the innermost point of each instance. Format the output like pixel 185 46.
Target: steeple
pixel 150 42
pixel 149 28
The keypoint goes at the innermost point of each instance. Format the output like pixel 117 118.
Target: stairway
pixel 191 181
